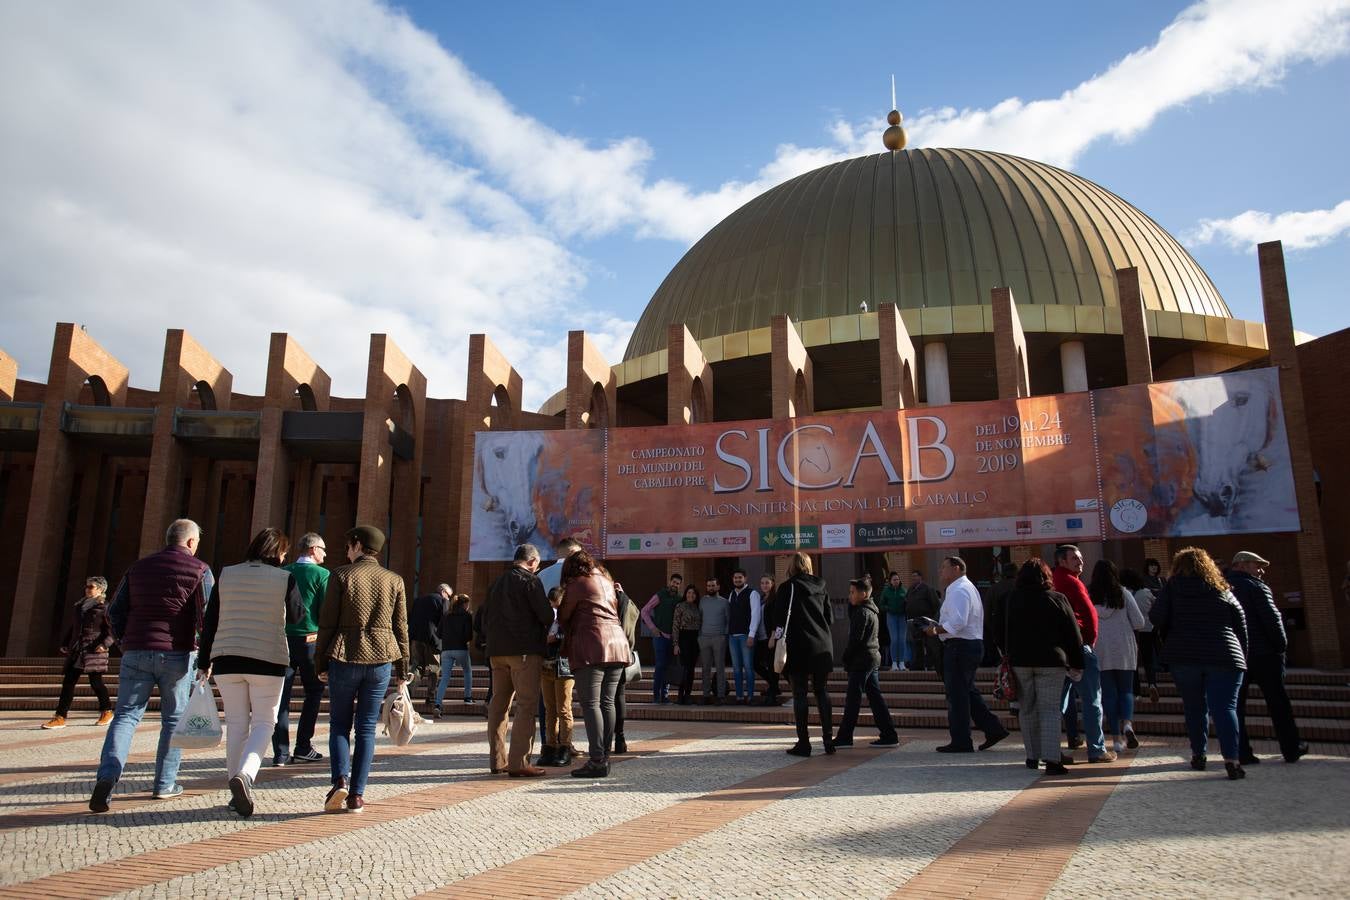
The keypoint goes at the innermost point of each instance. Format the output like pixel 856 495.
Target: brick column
pixel 389 492
pixel 589 378
pixel 899 365
pixel 9 376
pixel 689 401
pixel 288 367
pixel 791 367
pixel 1314 574
pixel 1010 347
pixel 76 357
pixel 490 375
pixel 186 364
pixel 1138 358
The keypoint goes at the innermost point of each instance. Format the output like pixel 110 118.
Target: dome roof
pixel 926 227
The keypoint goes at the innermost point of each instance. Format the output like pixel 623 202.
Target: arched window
pixel 99 388
pixel 501 414
pixel 305 394
pixel 206 398
pixel 598 413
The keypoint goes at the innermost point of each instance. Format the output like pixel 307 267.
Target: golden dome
pixel 926 227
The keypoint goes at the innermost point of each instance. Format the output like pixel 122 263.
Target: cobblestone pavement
pixel 700 810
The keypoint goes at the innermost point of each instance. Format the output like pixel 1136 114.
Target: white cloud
pixel 328 169
pixel 1296 230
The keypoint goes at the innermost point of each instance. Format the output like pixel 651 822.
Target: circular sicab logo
pixel 1129 515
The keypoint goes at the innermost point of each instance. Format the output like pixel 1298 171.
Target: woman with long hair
pixel 596 650
pixel 243 644
pixel 684 628
pixel 1145 638
pixel 807 616
pixel 770 620
pixel 1118 617
pixel 1043 640
pixel 1204 639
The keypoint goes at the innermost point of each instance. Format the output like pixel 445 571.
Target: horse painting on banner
pixel 1214 459
pixel 526 490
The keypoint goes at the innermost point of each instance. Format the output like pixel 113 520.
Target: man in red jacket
pixel 1068 581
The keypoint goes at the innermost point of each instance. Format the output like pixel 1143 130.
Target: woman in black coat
pixel 86 646
pixel 1204 640
pixel 1041 637
pixel 806 612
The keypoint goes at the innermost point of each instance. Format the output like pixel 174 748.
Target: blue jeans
pixel 302 662
pixel 142 670
pixel 960 659
pixel 1207 690
pixel 1117 698
pixel 1090 690
pixel 355 692
pixel 742 667
pixel 898 626
pixel 661 646
pixel 448 660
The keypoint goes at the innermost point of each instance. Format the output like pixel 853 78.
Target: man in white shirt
pixel 961 630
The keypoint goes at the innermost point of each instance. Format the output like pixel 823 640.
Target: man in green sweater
pixel 658 615
pixel 312 579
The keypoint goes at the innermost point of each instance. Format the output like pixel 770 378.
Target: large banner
pixel 1200 456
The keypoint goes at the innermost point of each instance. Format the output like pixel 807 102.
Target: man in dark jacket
pixel 922 601
pixel 156 614
pixel 1266 646
pixel 516 618
pixel 424 635
pixel 862 658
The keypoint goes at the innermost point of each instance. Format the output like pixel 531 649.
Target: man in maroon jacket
pixel 1068 581
pixel 156 615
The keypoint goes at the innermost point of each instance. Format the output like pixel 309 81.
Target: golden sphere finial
pixel 894 117
pixel 894 137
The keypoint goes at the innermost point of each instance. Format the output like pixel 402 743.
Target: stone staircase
pixel 1321 700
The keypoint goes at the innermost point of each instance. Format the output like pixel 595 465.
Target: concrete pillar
pixel 1073 363
pixel 936 377
pixel 76 357
pixel 1010 347
pixel 1315 575
pixel 186 364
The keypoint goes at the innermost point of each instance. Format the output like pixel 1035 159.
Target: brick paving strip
pixel 193 857
pixel 567 868
pixel 1020 851
pixel 88 734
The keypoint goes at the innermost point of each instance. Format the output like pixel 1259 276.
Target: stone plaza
pixel 696 809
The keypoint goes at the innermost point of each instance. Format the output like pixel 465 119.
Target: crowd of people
pixel 569 631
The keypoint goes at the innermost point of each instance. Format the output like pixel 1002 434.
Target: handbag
pixel 633 673
pixel 199 727
pixel 1005 682
pixel 675 673
pixel 398 715
pixel 780 645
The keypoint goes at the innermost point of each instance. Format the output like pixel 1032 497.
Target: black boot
pixel 548 756
pixel 620 745
pixel 564 757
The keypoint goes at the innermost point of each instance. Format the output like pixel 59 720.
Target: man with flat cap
pixel 1266 646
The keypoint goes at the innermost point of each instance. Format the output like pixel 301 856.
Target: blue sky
pixel 433 169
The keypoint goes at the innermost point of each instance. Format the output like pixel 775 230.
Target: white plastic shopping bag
pixel 199 727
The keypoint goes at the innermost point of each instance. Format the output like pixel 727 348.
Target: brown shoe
pixel 104 717
pixel 55 722
pixel 1106 757
pixel 527 772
